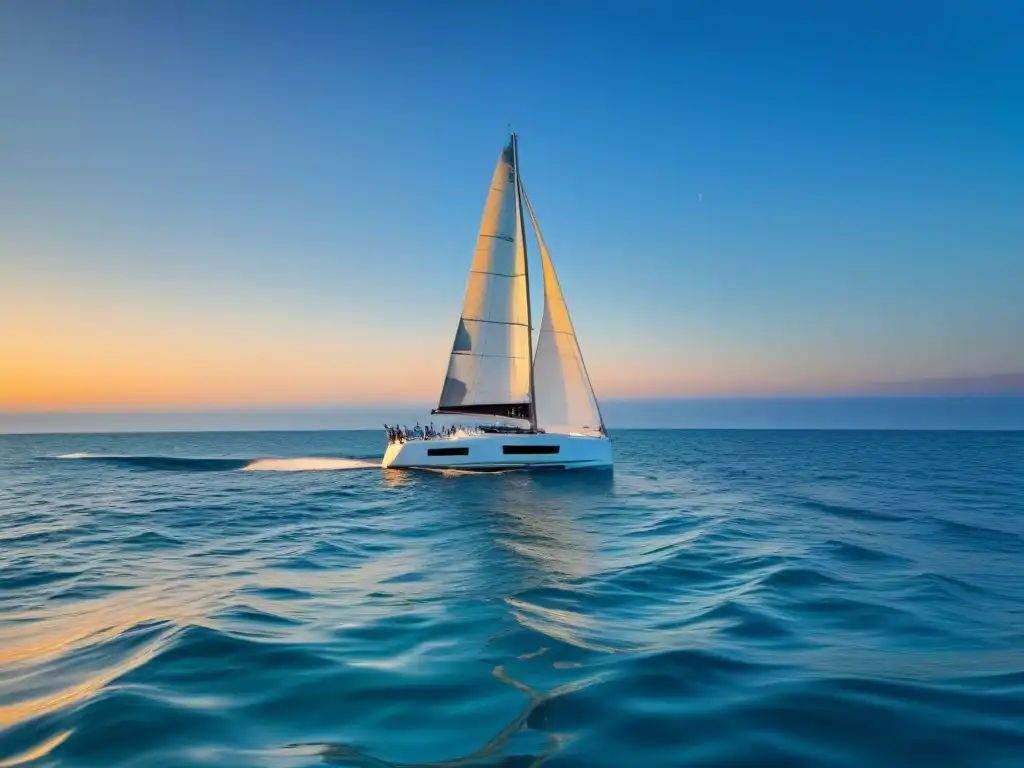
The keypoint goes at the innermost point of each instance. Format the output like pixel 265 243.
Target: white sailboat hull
pixel 501 451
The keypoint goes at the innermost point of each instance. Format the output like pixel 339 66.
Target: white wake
pixel 186 463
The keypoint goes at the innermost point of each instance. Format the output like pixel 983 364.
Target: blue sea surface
pixel 722 598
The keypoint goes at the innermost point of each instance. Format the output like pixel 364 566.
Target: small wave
pixel 149 540
pixel 856 553
pixel 793 577
pixel 306 464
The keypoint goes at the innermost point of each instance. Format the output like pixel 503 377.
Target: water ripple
pixel 740 598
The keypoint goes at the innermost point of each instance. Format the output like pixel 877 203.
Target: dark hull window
pixel 447 451
pixel 524 449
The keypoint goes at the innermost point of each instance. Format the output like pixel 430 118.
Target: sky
pixel 264 205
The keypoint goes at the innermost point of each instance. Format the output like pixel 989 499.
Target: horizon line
pixel 126 410
pixel 1009 430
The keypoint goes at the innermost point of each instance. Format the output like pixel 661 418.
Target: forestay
pixel 565 400
pixel 489 368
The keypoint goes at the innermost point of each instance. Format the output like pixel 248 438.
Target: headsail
pixel 489 369
pixel 565 397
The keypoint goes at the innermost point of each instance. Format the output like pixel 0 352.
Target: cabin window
pixel 447 451
pixel 524 449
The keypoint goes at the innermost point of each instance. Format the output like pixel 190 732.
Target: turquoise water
pixel 722 598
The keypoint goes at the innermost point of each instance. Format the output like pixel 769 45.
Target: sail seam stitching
pixel 477 354
pixel 499 274
pixel 493 322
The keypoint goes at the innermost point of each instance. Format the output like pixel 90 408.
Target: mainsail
pixel 489 371
pixel 565 400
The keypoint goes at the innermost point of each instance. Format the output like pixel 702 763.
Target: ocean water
pixel 722 598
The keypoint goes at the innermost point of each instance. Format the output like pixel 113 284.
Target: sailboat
pixel 542 399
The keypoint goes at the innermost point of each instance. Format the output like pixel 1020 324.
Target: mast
pixel 526 271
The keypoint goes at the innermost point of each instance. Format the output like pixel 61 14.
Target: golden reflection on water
pixel 44 638
pixel 559 624
pixel 41 636
pixel 396 478
pixel 36 752
pixel 33 641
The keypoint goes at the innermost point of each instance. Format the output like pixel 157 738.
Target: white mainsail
pixel 565 400
pixel 489 368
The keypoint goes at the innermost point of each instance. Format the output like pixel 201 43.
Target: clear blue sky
pixel 739 197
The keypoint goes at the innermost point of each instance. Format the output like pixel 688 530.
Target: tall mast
pixel 526 273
